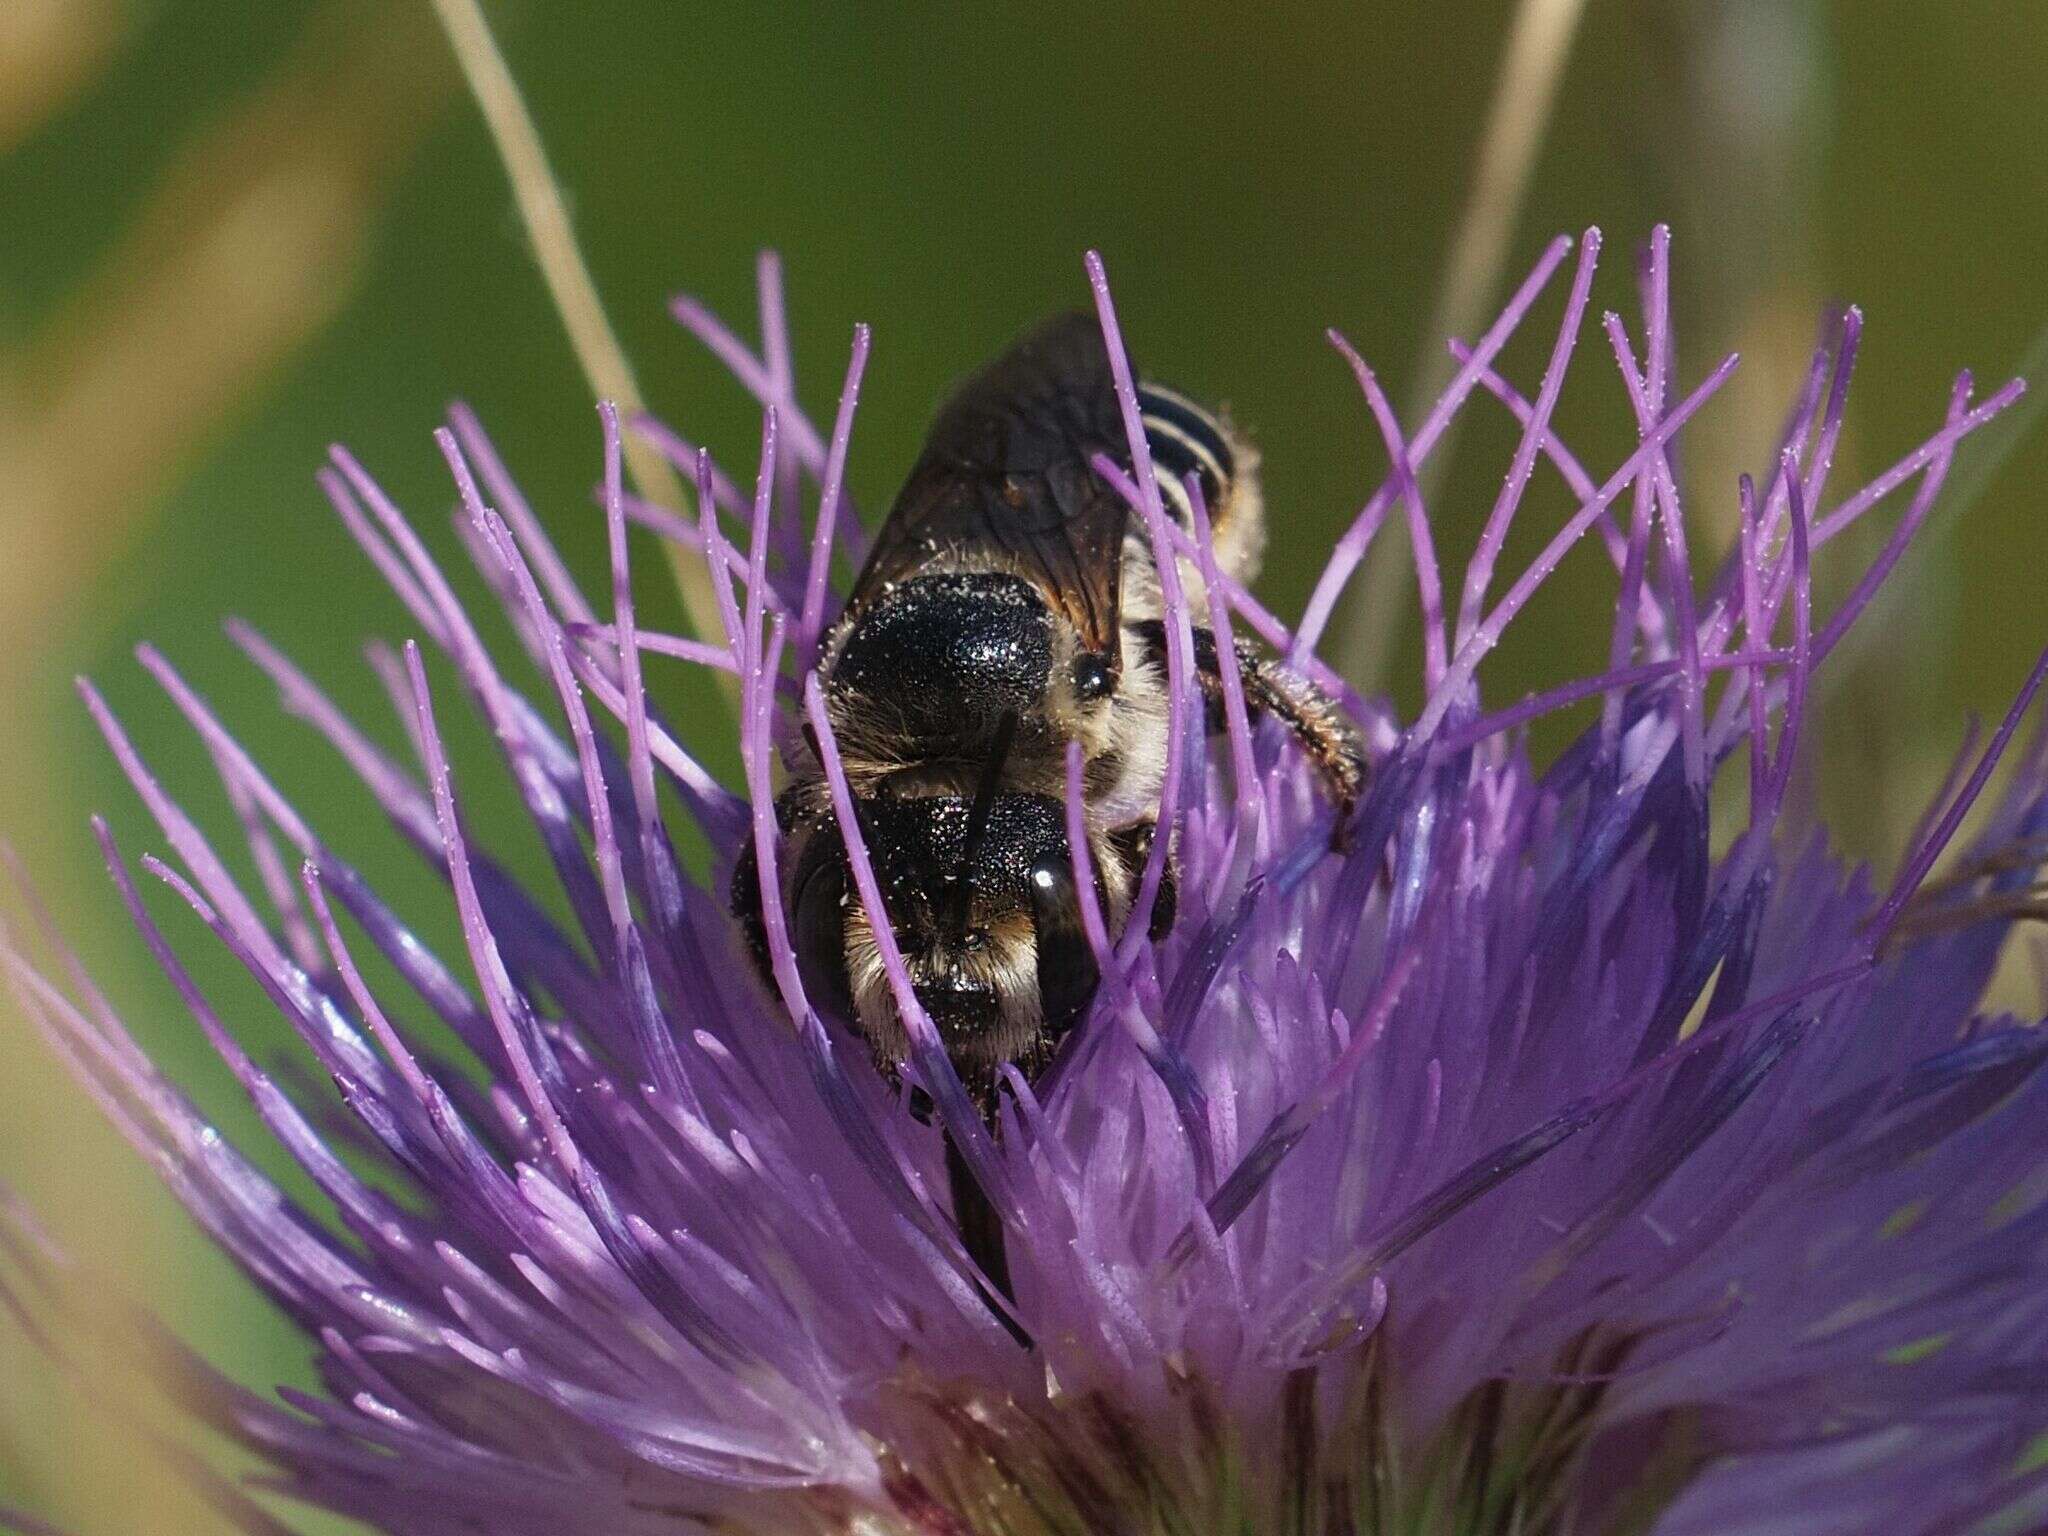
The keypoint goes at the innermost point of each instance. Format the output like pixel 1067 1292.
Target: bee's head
pixel 943 657
pixel 980 898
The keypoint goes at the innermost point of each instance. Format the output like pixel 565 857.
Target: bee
pixel 1012 605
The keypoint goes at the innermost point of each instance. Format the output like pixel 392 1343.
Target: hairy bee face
pixel 924 672
pixel 993 941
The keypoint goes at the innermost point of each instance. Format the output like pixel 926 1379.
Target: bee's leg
pixel 1133 846
pixel 1324 732
pixel 744 900
pixel 795 811
pixel 981 1229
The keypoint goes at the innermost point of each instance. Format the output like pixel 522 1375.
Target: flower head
pixel 1540 1158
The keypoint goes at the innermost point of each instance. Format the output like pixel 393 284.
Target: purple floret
pixel 1527 1155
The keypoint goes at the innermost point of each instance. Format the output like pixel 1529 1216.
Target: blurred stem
pixel 50 50
pixel 249 242
pixel 567 275
pixel 1524 95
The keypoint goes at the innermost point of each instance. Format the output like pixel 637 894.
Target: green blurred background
pixel 234 230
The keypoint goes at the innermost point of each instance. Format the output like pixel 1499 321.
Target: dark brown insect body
pixel 1011 606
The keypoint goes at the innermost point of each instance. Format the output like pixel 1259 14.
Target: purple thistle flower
pixel 1525 1165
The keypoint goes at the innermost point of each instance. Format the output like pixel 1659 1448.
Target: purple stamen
pixel 835 517
pixel 1479 570
pixel 1351 547
pixel 656 643
pixel 501 998
pixel 1180 650
pixel 1236 720
pixel 1643 395
pixel 1487 635
pixel 754 374
pixel 1408 493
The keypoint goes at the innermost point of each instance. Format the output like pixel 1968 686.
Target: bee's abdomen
pixel 942 653
pixel 1185 440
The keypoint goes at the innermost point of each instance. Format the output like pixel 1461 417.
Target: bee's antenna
pixel 984 805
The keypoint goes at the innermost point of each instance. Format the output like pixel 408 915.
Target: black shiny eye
pixel 1067 975
pixel 818 925
pixel 974 940
pixel 1093 678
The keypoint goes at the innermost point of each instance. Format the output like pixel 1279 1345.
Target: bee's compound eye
pixel 1066 964
pixel 818 927
pixel 1093 678
pixel 974 940
pixel 1052 889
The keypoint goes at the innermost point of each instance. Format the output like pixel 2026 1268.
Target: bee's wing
pixel 1005 482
